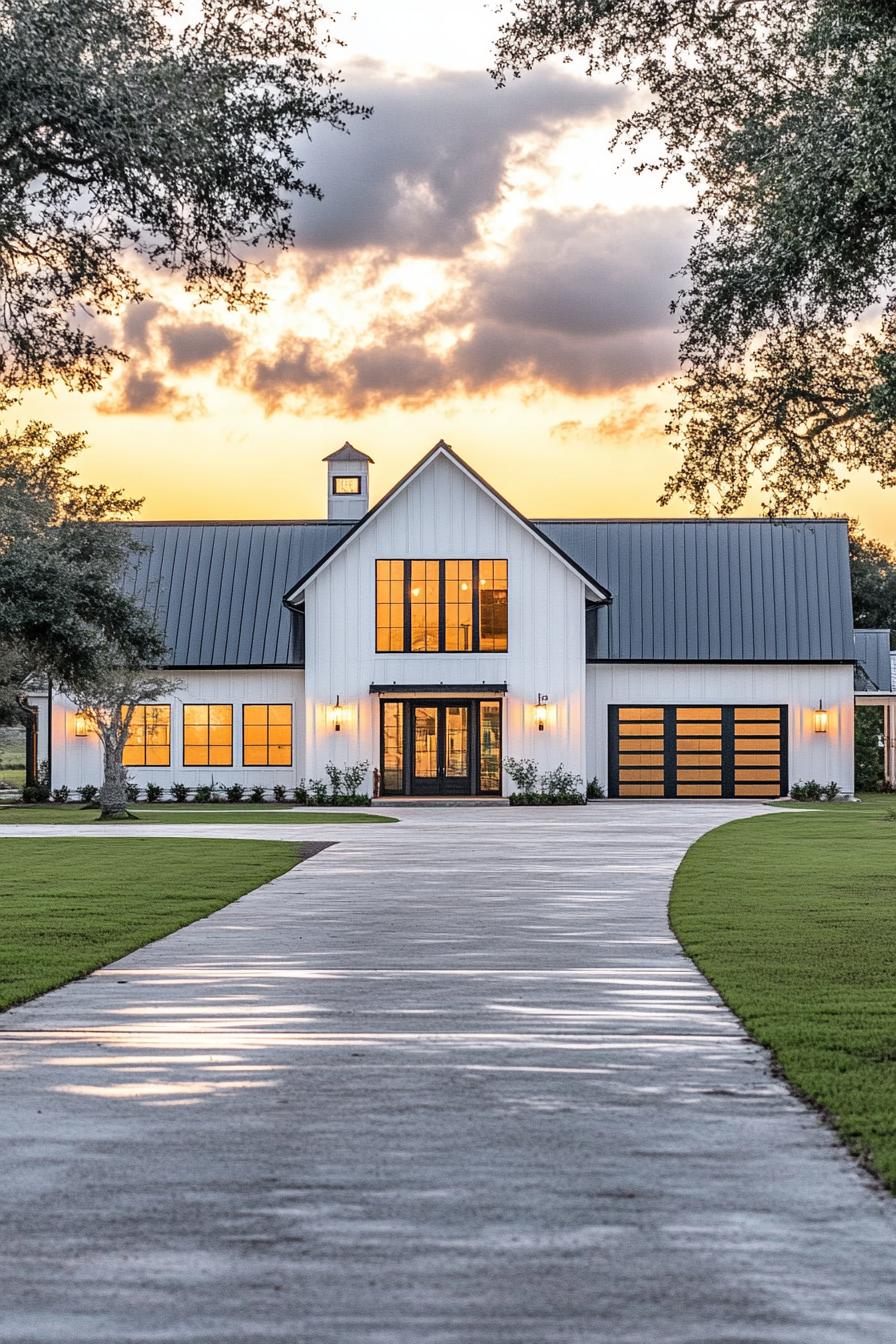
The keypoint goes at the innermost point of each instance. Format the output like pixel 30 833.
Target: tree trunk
pixel 112 798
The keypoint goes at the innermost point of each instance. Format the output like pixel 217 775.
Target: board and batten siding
pixel 444 514
pixel 821 756
pixel 78 760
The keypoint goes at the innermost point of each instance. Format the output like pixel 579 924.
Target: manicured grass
pixel 74 815
pixel 13 776
pixel 68 906
pixel 793 919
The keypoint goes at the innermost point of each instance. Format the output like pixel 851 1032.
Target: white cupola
pixel 348 491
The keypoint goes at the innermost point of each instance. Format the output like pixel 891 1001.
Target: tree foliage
pixel 139 135
pixel 62 600
pixel 873 569
pixel 782 114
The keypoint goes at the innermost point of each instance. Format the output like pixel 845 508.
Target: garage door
pixel 698 751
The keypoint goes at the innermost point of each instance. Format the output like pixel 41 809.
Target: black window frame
pixel 208 705
pixel 345 494
pixel 441 562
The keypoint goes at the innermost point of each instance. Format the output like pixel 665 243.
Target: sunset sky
pixel 482 270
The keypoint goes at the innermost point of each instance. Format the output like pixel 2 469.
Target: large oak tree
pixel 136 136
pixel 141 135
pixel 783 114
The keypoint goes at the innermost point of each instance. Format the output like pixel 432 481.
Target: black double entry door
pixel 440 747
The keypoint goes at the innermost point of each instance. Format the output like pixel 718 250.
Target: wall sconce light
pixel 541 712
pixel 821 719
pixel 82 724
pixel 336 713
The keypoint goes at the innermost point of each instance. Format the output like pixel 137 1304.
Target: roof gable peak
pixel 443 449
pixel 347 453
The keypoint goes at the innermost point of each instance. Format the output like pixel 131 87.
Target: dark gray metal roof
pixel 690 590
pixel 873 671
pixel 216 589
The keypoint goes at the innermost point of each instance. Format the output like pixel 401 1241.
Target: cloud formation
pixel 416 177
pixel 578 303
pixel 575 301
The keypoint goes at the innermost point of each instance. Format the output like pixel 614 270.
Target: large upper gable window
pixel 441 606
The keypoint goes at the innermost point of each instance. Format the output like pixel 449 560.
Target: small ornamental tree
pixel 108 699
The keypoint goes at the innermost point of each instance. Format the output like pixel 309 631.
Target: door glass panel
pixel 426 718
pixel 490 746
pixel 393 746
pixel 457 745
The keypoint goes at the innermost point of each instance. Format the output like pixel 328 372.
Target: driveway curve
pixel 447 1082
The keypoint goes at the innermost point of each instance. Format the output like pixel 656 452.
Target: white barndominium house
pixel 440 632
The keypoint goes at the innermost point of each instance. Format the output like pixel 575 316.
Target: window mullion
pixel 441 606
pixel 474 633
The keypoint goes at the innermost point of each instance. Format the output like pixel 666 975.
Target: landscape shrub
pixel 89 794
pixel 235 793
pixel 353 776
pixel 345 785
pixel 810 791
pixel 595 789
pixel 557 787
pixel 279 792
pixel 300 794
pixel 60 795
pixel 257 794
pixel 523 774
pixel 39 791
pixel 132 792
pixel 154 792
pixel 203 794
pixel 180 793
pixel 318 793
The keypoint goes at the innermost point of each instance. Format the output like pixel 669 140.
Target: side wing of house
pixel 723 641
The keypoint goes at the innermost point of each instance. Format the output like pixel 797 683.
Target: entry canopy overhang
pixel 468 689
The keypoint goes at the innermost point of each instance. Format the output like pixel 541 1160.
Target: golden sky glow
pixel 482 270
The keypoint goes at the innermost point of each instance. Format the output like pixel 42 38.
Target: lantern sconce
pixel 541 712
pixel 821 719
pixel 82 727
pixel 336 713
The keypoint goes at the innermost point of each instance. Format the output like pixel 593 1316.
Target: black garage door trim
pixel 666 751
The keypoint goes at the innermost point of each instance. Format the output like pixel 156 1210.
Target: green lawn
pixel 68 906
pixel 13 776
pixel 793 919
pixel 69 814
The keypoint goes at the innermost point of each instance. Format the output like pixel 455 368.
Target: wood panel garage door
pixel 698 751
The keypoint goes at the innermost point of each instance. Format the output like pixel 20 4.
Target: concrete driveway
pixel 448 1082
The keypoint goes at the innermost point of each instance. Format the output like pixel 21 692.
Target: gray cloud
pixel 195 344
pixel 592 273
pixel 138 321
pixel 144 391
pixel 414 178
